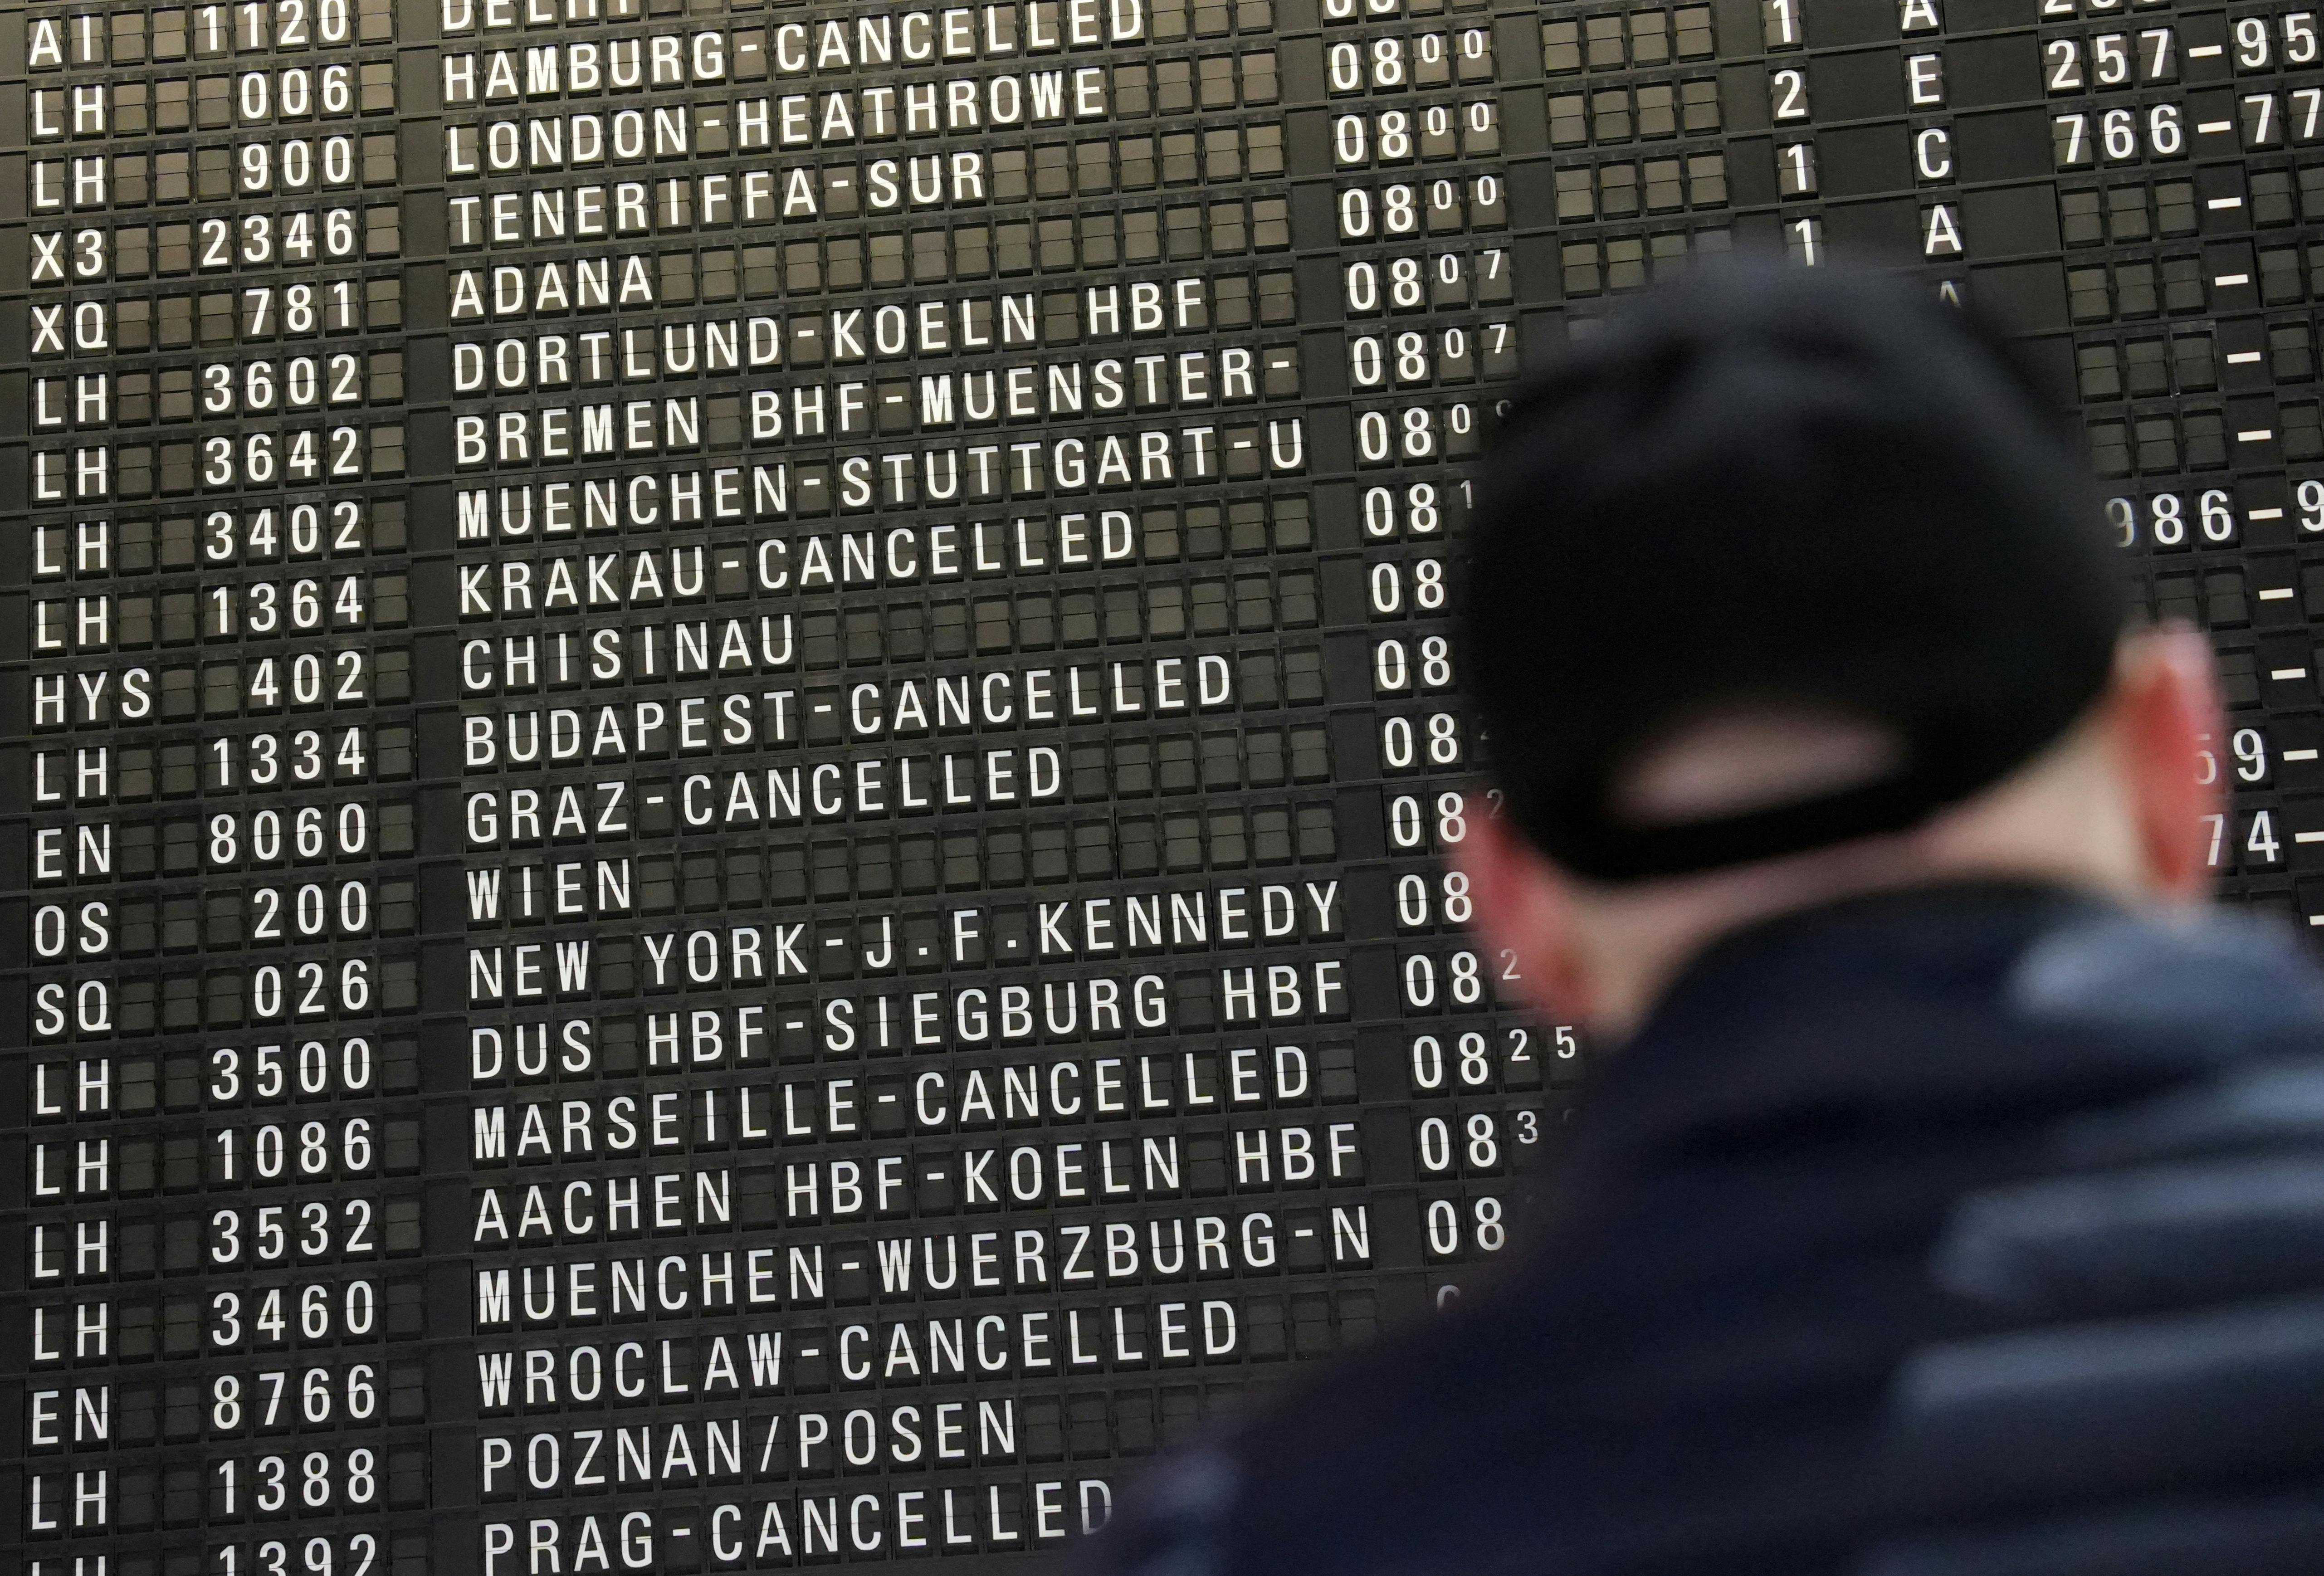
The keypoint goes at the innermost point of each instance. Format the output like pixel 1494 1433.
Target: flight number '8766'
pixel 279 1398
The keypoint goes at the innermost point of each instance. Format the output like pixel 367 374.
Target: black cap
pixel 1804 486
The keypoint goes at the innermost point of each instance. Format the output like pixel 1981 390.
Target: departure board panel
pixel 726 728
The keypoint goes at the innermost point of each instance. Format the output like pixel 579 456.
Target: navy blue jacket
pixel 1972 1231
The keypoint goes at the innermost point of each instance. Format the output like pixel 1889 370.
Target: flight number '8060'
pixel 306 836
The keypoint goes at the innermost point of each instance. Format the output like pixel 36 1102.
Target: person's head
pixel 1790 585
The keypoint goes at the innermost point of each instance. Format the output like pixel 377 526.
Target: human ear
pixel 1523 906
pixel 2173 736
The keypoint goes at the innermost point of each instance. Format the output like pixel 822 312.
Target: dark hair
pixel 1764 481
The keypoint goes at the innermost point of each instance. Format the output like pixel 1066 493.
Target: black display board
pixel 725 729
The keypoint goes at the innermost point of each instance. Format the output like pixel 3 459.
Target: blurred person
pixel 1950 1199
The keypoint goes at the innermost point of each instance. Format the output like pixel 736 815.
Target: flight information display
pixel 727 727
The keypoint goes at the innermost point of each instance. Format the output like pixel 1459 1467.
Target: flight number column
pixel 210 799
